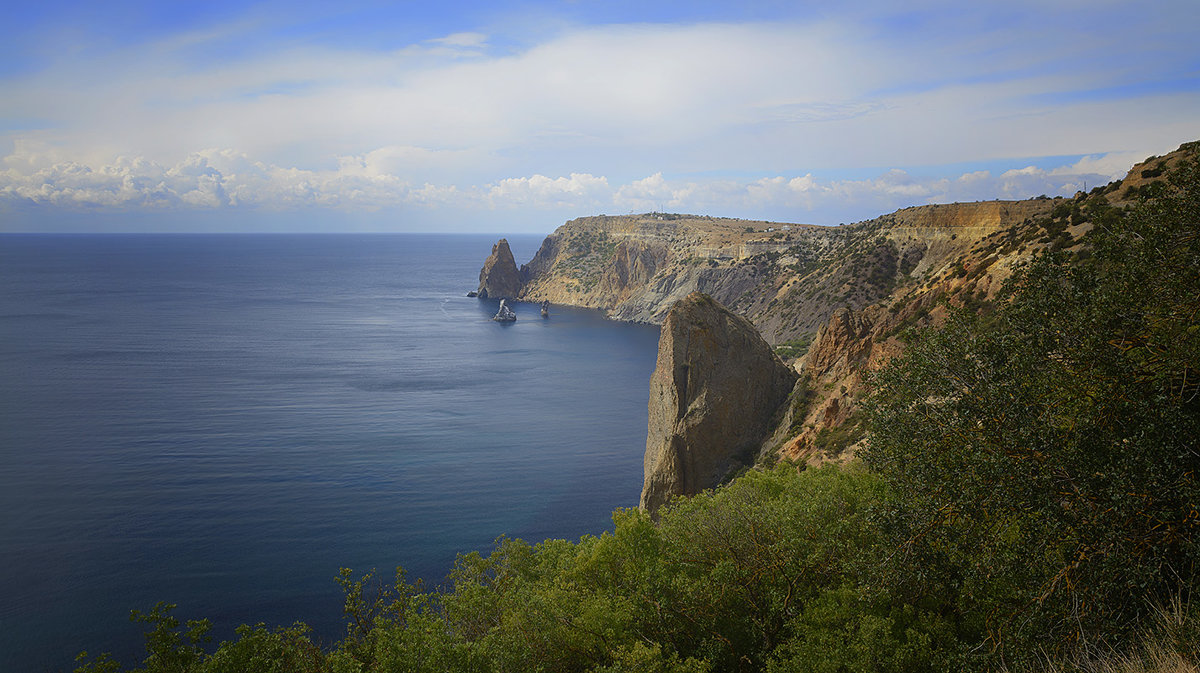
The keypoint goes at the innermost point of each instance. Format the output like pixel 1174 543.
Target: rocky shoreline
pixel 835 300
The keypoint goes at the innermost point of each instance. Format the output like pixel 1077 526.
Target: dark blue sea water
pixel 223 422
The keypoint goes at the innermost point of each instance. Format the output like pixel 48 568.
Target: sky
pixel 513 117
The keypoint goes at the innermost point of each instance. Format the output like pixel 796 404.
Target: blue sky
pixel 512 117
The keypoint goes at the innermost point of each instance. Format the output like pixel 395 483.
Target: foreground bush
pixel 1045 459
pixel 765 573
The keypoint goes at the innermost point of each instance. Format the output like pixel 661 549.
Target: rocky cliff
pixel 713 396
pixel 787 279
pixel 499 276
pixel 832 300
pixel 636 267
pixel 963 255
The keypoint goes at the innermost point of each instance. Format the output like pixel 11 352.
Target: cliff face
pixel 844 294
pixel 499 276
pixel 833 299
pixel 636 267
pixel 787 279
pixel 963 253
pixel 713 396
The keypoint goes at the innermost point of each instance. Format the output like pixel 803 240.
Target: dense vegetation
pixel 1045 456
pixel 1029 494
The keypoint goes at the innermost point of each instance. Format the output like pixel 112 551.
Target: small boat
pixel 505 314
pixel 545 308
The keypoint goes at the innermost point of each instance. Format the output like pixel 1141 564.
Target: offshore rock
pixel 499 276
pixel 505 314
pixel 714 393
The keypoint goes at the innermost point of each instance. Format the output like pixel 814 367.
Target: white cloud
pixel 209 179
pixel 803 184
pixel 540 191
pixel 974 177
pixel 1113 165
pixel 218 180
pixel 649 193
pixel 454 118
pixel 464 39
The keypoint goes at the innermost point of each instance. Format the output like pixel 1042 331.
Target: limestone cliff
pixel 788 279
pixel 832 300
pixel 713 395
pixel 636 267
pixel 499 276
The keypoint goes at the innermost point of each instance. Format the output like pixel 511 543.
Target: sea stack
pixel 505 314
pixel 715 388
pixel 499 276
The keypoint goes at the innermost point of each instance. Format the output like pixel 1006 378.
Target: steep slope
pixel 635 267
pixel 787 279
pixel 833 300
pixel 822 422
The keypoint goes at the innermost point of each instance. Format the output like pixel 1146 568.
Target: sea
pixel 222 422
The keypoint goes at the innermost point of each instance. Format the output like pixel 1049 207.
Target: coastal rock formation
pixel 790 279
pixel 843 293
pixel 713 395
pixel 833 299
pixel 635 267
pixel 499 276
pixel 969 250
pixel 505 314
pixel 787 279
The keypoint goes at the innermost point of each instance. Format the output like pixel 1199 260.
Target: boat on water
pixel 505 314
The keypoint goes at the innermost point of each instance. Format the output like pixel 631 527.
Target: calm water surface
pixel 223 422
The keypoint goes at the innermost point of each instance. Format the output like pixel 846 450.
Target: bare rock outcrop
pixel 713 396
pixel 499 276
pixel 633 265
pixel 837 299
pixel 841 342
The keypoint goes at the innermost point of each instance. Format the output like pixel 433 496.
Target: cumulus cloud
pixel 216 180
pixel 649 193
pixel 208 179
pixel 227 179
pixel 542 192
pixel 809 199
pixel 484 118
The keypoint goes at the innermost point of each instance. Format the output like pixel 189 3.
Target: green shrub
pixel 794 348
pixel 1045 460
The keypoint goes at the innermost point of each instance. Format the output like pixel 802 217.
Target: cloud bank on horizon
pixel 480 116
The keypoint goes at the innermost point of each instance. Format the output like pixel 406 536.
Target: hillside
pixel 787 279
pixel 832 300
